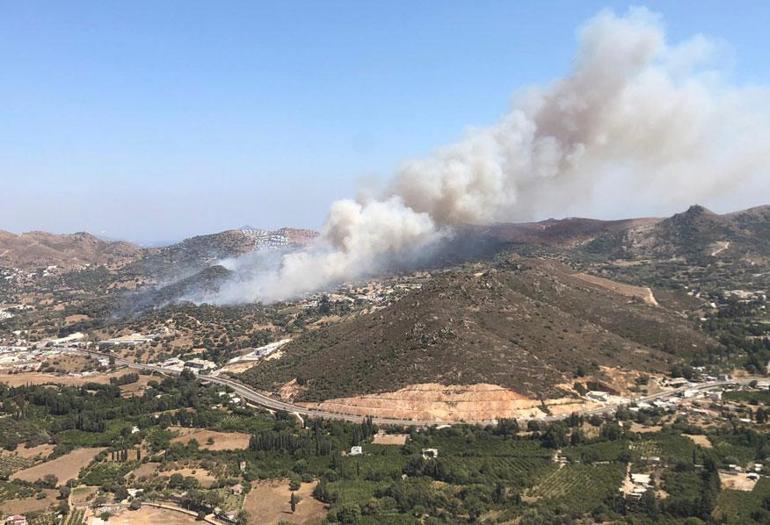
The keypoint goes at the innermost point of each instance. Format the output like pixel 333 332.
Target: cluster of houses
pixel 129 340
pixel 261 352
pixel 232 396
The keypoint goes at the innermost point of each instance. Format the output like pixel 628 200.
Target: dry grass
pixel 644 429
pixel 18 506
pixel 82 495
pixel 65 468
pixel 736 481
pixel 39 378
pixel 65 363
pixel 145 470
pixel 152 516
pixel 390 439
pixel 220 440
pixel 76 318
pixel 699 440
pixel 138 388
pixel 203 476
pixel 268 504
pixel 38 452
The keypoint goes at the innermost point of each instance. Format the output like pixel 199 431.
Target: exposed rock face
pixel 453 403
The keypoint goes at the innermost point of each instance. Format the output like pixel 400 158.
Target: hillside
pixel 528 325
pixel 192 255
pixel 40 249
pixel 697 235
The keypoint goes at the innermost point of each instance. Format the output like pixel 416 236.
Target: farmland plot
pixel 580 487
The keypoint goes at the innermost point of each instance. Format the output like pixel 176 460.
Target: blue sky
pixel 154 121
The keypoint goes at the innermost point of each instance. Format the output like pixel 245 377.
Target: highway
pixel 271 403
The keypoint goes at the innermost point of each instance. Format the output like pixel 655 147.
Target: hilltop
pixel 697 235
pixel 192 255
pixel 40 249
pixel 529 325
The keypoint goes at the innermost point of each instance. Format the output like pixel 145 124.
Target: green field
pixel 738 506
pixel 579 487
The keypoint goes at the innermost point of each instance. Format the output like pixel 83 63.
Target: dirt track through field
pixel 640 292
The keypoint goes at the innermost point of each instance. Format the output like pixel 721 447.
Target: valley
pixel 485 386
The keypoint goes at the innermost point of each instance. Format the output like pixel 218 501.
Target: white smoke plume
pixel 636 115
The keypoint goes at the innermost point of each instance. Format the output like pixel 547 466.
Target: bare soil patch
pixel 268 504
pixel 220 440
pixel 644 429
pixel 639 292
pixel 380 438
pixel 699 440
pixel 453 403
pixel 39 378
pixel 40 451
pixel 65 468
pixel 736 481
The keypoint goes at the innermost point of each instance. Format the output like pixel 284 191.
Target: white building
pixel 430 453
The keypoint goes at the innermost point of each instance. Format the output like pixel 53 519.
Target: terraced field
pixel 76 517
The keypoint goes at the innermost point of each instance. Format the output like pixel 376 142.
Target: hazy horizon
pixel 154 123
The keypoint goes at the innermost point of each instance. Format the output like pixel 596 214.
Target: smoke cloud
pixel 637 119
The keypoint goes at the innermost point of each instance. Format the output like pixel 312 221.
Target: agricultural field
pixel 744 507
pixel 43 500
pixel 10 464
pixel 76 517
pixel 579 487
pixel 65 468
pixel 152 516
pixel 210 439
pixel 202 456
pixel 270 500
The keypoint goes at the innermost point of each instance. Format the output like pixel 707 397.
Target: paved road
pixel 269 402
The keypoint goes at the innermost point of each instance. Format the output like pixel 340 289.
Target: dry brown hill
pixel 528 325
pixel 40 249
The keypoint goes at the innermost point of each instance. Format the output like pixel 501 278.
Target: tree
pixel 648 503
pixel 761 415
pixel 349 513
pixel 555 436
pixel 293 502
pixel 611 431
